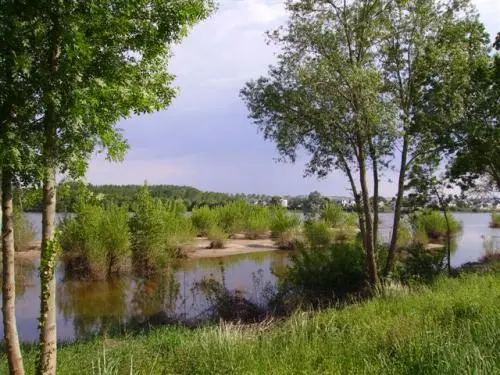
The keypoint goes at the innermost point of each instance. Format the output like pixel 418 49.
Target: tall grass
pixel 160 232
pixel 96 240
pixel 433 224
pixel 495 220
pixel 24 233
pixel 450 327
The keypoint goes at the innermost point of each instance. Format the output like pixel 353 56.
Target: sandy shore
pixel 233 247
pixel 201 250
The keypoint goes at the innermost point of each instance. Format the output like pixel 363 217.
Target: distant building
pixel 284 203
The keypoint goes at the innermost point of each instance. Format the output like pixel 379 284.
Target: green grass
pixel 451 327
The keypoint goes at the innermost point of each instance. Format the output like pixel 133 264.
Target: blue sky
pixel 204 138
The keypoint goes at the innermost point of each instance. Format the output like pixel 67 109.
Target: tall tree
pixel 350 87
pixel 426 55
pixel 97 62
pixel 17 108
pixel 324 95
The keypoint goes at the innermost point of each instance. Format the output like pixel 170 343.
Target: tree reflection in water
pixel 93 306
pixel 154 299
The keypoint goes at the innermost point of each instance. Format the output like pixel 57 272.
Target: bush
pixel 495 220
pixel 433 224
pixel 203 219
pixel 405 234
pixel 335 216
pixel 320 276
pixel 97 240
pixel 284 228
pixel 231 217
pixel 24 233
pixel 159 233
pixel 257 222
pixel 217 237
pixel 422 264
pixel 318 234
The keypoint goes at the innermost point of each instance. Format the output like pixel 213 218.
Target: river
pixel 85 308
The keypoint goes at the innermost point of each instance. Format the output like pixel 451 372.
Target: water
pixel 87 307
pixel 470 243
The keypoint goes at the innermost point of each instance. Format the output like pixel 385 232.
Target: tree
pixel 473 141
pixel 311 206
pixel 17 103
pixel 94 63
pixel 351 84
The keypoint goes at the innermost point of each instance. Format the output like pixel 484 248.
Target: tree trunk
pixel 371 262
pixel 11 337
pixel 48 335
pixel 397 210
pixel 448 240
pixel 373 156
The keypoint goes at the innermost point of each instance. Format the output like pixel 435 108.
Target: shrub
pixel 203 219
pixel 318 234
pixel 320 276
pixel 24 233
pixel 97 240
pixel 217 237
pixel 495 220
pixel 422 264
pixel 333 214
pixel 433 223
pixel 284 228
pixel 231 217
pixel 159 233
pixel 257 222
pixel 405 234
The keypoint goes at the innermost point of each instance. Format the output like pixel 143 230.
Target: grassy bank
pixel 452 327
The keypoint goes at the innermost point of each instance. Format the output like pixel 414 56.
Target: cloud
pixel 205 139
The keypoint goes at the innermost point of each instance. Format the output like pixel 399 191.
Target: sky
pixel 204 139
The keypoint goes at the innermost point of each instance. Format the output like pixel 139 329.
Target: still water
pixel 85 308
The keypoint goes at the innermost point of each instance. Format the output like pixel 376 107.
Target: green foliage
pixel 333 214
pixel 203 219
pixel 311 207
pixel 284 228
pixel 324 275
pixel 24 233
pixel 217 237
pixel 405 235
pixel 318 234
pixel 433 224
pixel 422 264
pixel 495 220
pixel 231 217
pixel 97 241
pixel 257 222
pixel 159 233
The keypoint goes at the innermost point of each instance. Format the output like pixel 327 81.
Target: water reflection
pixel 92 306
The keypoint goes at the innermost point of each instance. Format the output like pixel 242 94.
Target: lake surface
pixel 85 308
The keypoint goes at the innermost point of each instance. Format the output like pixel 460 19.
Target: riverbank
pixel 450 327
pixel 200 248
